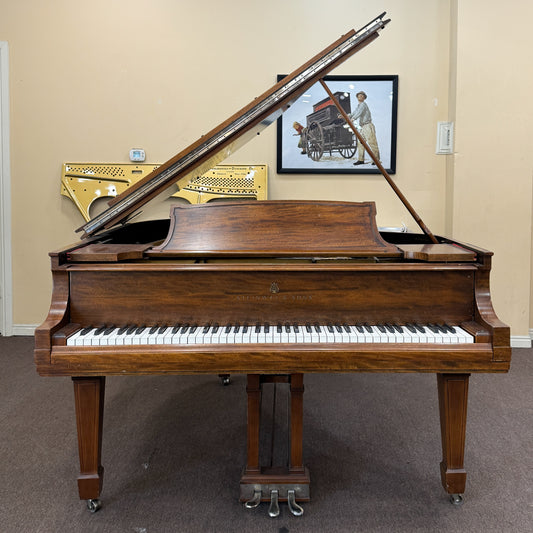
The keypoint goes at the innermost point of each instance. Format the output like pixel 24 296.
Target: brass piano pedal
pixel 273 510
pixel 254 501
pixel 294 508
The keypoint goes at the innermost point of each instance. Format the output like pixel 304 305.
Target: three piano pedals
pixel 275 418
pixel 262 492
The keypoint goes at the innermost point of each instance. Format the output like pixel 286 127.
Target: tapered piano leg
pixel 453 399
pixel 89 400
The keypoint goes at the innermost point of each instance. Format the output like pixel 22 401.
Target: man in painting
pixel 301 131
pixel 366 127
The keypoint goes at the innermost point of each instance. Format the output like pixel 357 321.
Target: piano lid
pixel 220 142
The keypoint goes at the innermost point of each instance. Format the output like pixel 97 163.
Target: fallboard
pixel 146 295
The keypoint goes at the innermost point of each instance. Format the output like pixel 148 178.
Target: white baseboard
pixel 517 341
pixel 521 341
pixel 23 330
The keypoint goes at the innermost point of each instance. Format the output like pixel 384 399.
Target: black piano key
pixel 184 329
pixel 162 329
pixel 330 328
pixel 140 329
pixel 176 328
pixel 381 328
pixel 346 328
pixel 398 328
pixel 338 327
pixel 433 328
pixel 267 327
pixel 308 328
pixel 296 328
pixel 109 329
pixel 360 328
pixel 449 329
pixel 193 328
pixel 411 328
pixel 84 331
pixel 420 328
pixel 237 328
pixel 279 328
pixel 131 330
pixel 99 331
pixel 389 328
pixel 245 328
pixel 122 330
pixel 317 328
pixel 153 329
pixel 368 328
pixel 206 329
pixel 215 328
pixel 228 328
pixel 287 328
pixel 258 328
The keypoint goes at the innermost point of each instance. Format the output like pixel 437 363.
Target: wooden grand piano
pixel 272 289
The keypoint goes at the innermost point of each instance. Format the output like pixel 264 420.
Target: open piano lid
pixel 220 142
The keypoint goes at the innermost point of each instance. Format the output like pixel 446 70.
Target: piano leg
pixel 89 401
pixel 453 399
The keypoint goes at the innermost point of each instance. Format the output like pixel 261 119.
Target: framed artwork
pixel 313 138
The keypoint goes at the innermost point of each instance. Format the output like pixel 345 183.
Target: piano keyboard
pixel 186 334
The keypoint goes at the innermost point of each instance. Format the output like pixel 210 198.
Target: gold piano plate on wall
pixel 84 183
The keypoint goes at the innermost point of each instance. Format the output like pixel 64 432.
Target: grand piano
pixel 273 290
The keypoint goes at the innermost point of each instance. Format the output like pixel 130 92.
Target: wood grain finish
pixel 453 399
pixel 314 293
pixel 127 281
pixel 89 402
pixel 275 229
pixel 442 252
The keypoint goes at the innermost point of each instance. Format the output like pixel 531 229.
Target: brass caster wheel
pixel 94 505
pixel 225 379
pixel 456 499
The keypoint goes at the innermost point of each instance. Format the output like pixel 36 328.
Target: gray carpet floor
pixel 174 448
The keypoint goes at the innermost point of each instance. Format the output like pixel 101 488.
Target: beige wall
pixel 90 80
pixel 493 160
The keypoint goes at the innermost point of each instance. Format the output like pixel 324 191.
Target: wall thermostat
pixel 136 154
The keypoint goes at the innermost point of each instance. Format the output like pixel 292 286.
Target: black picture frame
pixel 328 145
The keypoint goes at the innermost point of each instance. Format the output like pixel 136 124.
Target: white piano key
pixel 237 334
pixel 72 340
pixel 265 334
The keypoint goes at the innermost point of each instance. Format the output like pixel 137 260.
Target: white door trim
pixel 6 279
